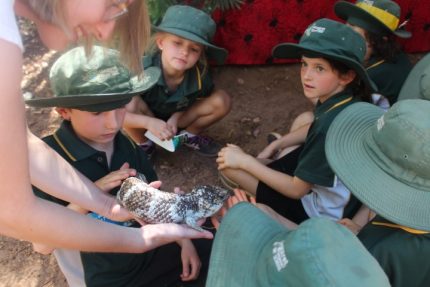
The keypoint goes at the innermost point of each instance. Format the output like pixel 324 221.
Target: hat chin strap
pixel 385 17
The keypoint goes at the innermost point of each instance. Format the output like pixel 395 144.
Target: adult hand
pixel 351 225
pixel 155 235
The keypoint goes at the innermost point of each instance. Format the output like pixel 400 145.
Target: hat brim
pixel 295 51
pixel 238 237
pixel 344 10
pixel 102 101
pixel 218 54
pixel 411 87
pixel 359 170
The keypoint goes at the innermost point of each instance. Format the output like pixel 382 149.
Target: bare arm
pixel 291 186
pixel 24 216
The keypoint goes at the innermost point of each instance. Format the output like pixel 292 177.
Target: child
pixel 318 253
pixel 378 22
pixel 386 64
pixel 383 158
pixel 184 98
pixel 91 96
pixel 301 184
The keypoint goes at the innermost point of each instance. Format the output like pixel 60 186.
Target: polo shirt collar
pixel 191 83
pixel 332 102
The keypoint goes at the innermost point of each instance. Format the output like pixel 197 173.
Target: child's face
pixel 363 34
pixel 96 129
pixel 320 81
pixel 178 54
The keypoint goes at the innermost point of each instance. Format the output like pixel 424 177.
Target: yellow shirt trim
pixel 339 104
pixel 199 77
pixel 375 64
pixel 407 229
pixel 388 19
pixel 63 147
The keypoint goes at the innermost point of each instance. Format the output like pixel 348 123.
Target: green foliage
pixel 158 7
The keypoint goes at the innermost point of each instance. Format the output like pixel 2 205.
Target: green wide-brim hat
pixel 251 249
pixel 194 25
pixel 384 159
pixel 332 40
pixel 95 83
pixel 417 84
pixel 379 16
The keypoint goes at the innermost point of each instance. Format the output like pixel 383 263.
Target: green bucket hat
pixel 251 249
pixel 417 84
pixel 95 83
pixel 384 158
pixel 194 25
pixel 332 40
pixel 377 16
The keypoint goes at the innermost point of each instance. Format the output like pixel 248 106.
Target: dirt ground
pixel 265 98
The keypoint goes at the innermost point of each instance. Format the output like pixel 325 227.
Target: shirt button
pixel 100 159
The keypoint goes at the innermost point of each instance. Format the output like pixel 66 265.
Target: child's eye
pixel 319 68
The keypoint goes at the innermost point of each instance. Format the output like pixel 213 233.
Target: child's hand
pixel 172 122
pixel 351 225
pixel 239 196
pixel 191 263
pixel 115 178
pixel 160 129
pixel 230 156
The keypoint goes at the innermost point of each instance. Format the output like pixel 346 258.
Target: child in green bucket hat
pixel 184 99
pixel 384 160
pixel 301 184
pixel 90 95
pixel 262 251
pixel 378 21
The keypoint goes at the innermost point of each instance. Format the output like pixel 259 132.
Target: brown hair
pixel 131 33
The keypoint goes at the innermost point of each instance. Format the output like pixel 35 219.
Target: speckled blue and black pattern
pixel 156 206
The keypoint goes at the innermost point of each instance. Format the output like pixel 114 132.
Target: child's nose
pixel 111 120
pixel 103 31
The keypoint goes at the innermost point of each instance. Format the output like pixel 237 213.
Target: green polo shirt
pixel 389 76
pixel 404 256
pixel 313 166
pixel 103 269
pixel 197 83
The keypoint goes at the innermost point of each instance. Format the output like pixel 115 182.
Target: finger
pixel 155 184
pixel 178 190
pixel 185 270
pixel 125 165
pixel 215 221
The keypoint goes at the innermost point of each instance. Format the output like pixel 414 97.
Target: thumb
pixel 125 165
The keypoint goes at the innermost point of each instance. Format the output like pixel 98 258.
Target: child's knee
pixel 221 100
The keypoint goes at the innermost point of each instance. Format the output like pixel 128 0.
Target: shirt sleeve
pixel 8 27
pixel 313 166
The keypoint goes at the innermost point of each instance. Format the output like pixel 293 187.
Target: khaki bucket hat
pixel 95 83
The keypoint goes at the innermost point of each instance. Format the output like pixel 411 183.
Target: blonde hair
pixel 153 48
pixel 131 33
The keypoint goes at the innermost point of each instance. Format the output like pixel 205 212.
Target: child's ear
pixel 159 42
pixel 348 77
pixel 64 113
